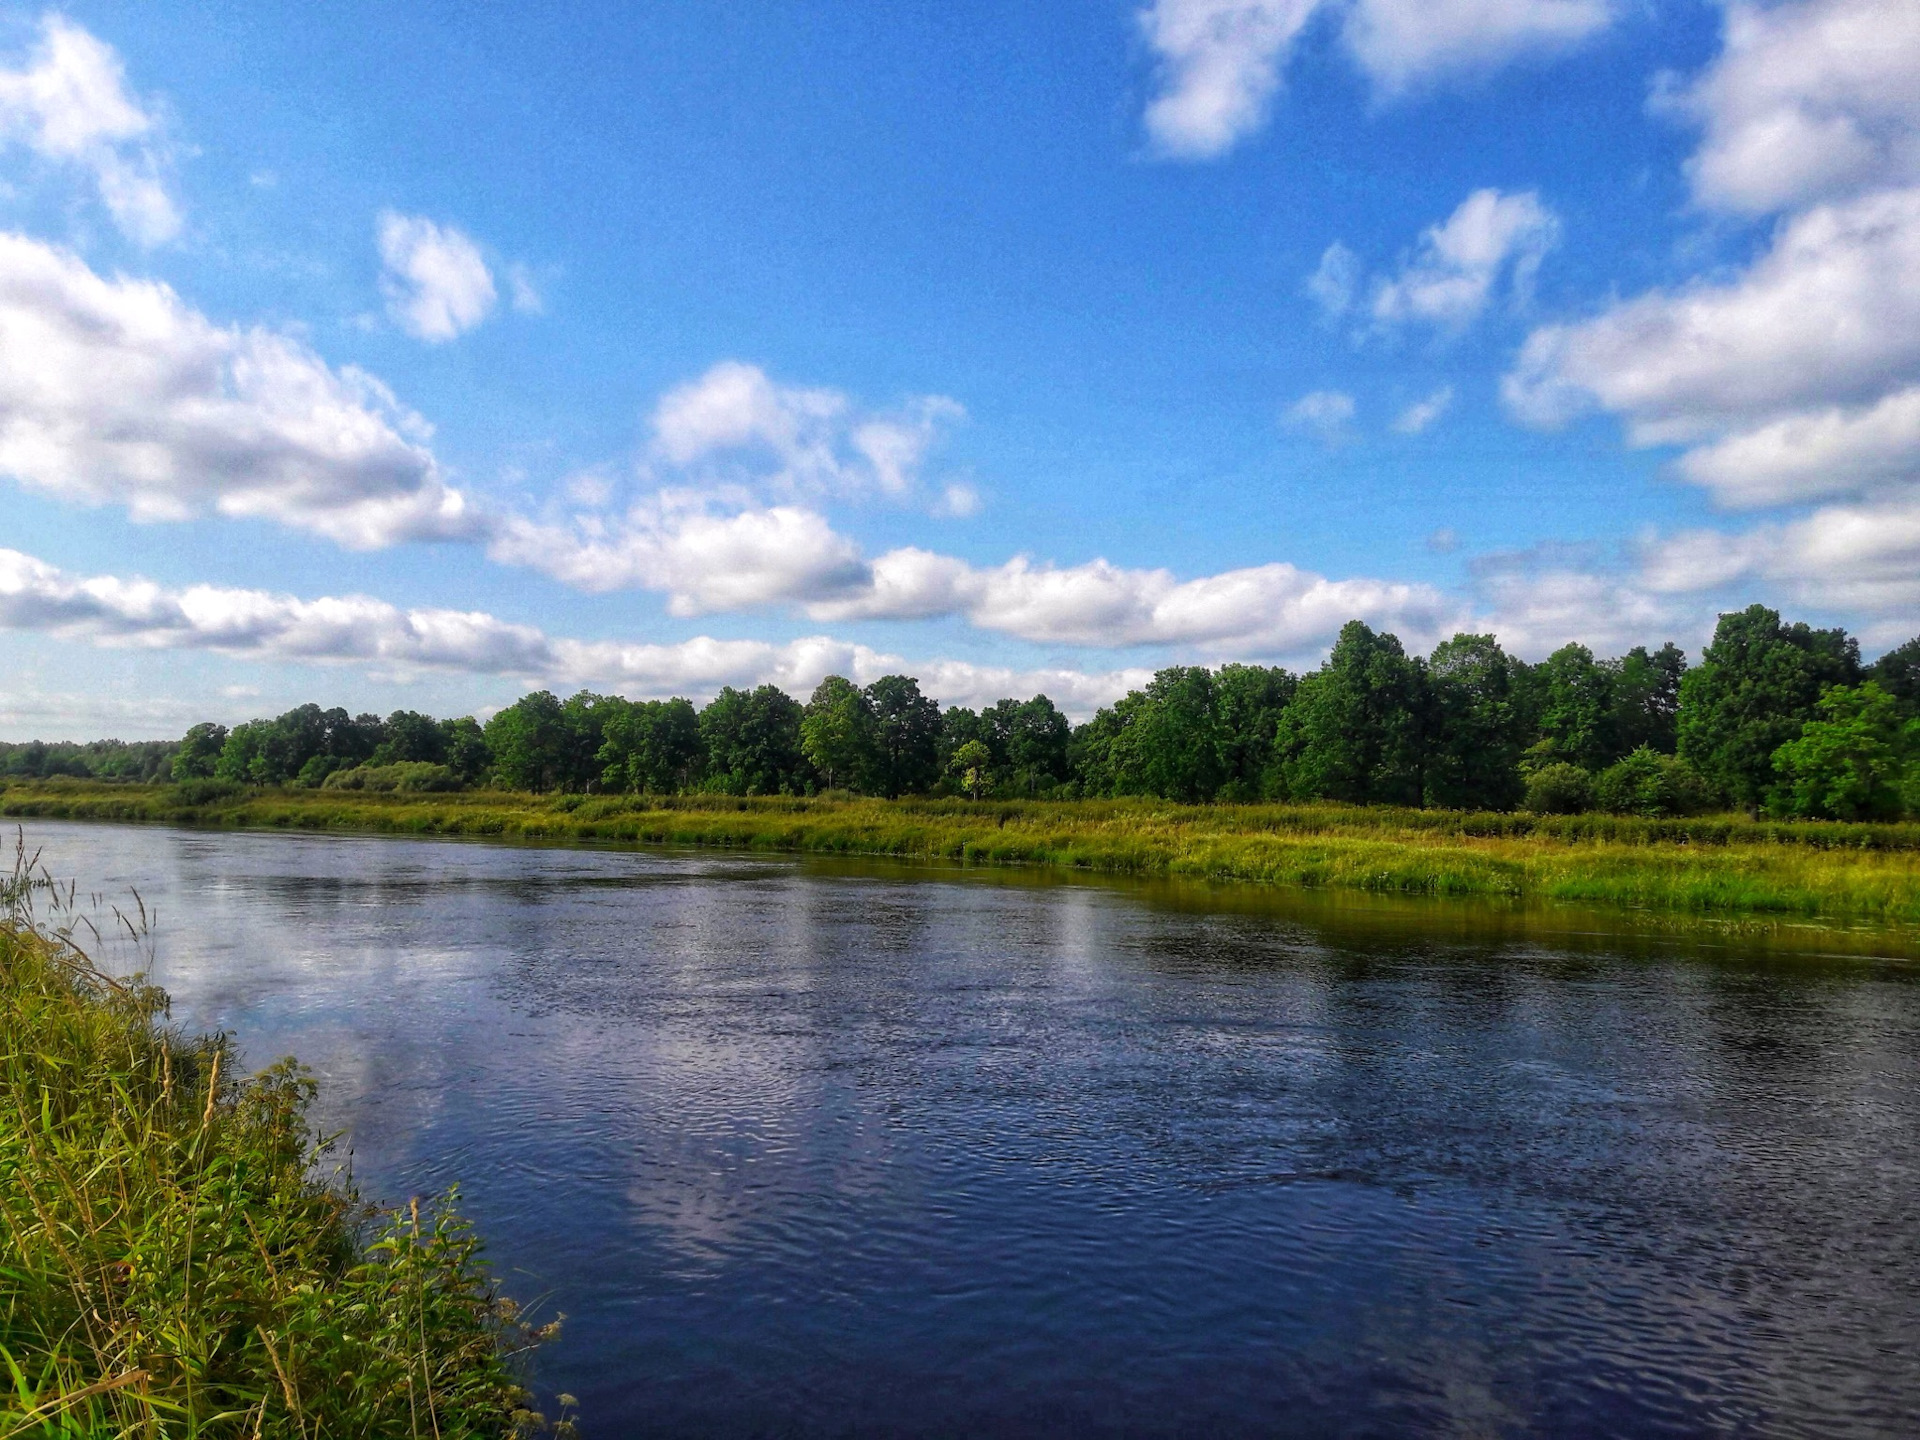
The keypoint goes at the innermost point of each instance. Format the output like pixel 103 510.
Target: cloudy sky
pixel 416 356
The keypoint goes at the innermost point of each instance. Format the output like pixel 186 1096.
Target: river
pixel 812 1149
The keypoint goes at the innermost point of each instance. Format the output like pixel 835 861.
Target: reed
pixel 1706 866
pixel 173 1259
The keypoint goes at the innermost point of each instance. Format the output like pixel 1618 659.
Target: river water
pixel 805 1149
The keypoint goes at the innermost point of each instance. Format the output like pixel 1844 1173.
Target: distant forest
pixel 1776 717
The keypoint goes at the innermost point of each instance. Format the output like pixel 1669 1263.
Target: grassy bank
pixel 1721 865
pixel 172 1262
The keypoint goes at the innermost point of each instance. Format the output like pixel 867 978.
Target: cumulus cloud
pixel 1422 413
pixel 117 392
pixel 1219 63
pixel 436 282
pixel 1812 453
pixel 1459 264
pixel 1684 363
pixel 1267 609
pixel 70 104
pixel 794 439
pixel 1537 603
pixel 1796 381
pixel 702 561
pixel 1401 44
pixel 1863 557
pixel 360 630
pixel 1805 102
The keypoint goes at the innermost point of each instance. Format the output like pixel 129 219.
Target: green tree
pixel 199 751
pixel 1355 728
pixel 1172 747
pixel 1248 700
pixel 1646 698
pixel 1898 673
pixel 906 736
pixel 1647 782
pixel 972 762
pixel 1576 710
pixel 529 743
pixel 839 734
pixel 466 746
pixel 654 747
pixel 1850 762
pixel 1030 741
pixel 1756 685
pixel 1559 788
pixel 1473 757
pixel 1097 749
pixel 408 735
pixel 753 743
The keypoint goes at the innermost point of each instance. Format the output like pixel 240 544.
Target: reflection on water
pixel 806 1150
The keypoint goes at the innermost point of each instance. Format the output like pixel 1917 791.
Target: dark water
pixel 814 1151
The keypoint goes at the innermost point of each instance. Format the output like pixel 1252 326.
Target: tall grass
pixel 174 1262
pixel 1707 866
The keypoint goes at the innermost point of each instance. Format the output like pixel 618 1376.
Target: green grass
pixel 1706 867
pixel 174 1262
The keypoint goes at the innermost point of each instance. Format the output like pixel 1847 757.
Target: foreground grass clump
pixel 171 1263
pixel 1722 865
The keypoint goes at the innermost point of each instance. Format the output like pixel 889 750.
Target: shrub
pixel 1649 783
pixel 406 776
pixel 1559 789
pixel 206 792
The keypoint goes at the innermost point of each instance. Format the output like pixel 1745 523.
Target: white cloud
pixel 527 299
pixel 1403 43
pixel 701 560
pixel 1325 412
pixel 70 104
pixel 1706 359
pixel 1860 557
pixel 1334 280
pixel 795 440
pixel 1537 608
pixel 1218 65
pixel 1422 413
pixel 436 282
pixel 1267 609
pixel 116 392
pixel 359 630
pixel 1797 379
pixel 1806 102
pixel 1453 276
pixel 1805 454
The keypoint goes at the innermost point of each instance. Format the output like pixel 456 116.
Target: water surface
pixel 804 1149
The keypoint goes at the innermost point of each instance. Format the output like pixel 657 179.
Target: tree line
pixel 1776 716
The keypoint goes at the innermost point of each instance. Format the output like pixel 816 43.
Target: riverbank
pixel 170 1260
pixel 1717 866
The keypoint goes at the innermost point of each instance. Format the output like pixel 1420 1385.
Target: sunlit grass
pixel 1707 865
pixel 174 1262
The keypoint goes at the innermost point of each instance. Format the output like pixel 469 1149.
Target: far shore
pixel 1712 868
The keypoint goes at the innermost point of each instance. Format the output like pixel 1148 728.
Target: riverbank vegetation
pixel 1718 865
pixel 173 1258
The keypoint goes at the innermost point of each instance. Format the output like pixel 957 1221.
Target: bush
pixel 206 792
pixel 1649 783
pixel 1559 789
pixel 406 776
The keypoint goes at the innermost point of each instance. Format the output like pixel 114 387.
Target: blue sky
pixel 418 359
